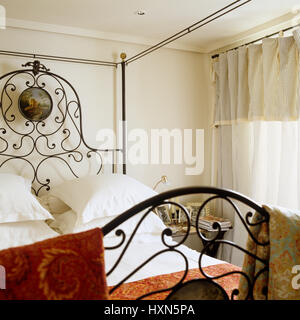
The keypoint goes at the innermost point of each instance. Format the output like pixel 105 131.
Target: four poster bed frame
pixel 68 110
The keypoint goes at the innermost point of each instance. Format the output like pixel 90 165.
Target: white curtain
pixel 256 128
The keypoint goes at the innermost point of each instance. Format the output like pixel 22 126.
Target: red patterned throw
pixel 134 290
pixel 68 267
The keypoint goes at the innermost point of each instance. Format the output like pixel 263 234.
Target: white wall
pixel 167 89
pixel 170 89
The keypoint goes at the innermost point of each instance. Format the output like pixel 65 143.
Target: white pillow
pixel 17 203
pixel 101 196
pixel 53 204
pixel 21 233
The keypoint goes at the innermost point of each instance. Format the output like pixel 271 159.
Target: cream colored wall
pixel 170 89
pixel 167 89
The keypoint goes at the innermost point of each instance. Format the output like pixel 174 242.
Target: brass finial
pixel 123 56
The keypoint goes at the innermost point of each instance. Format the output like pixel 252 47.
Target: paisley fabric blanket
pixel 282 255
pixel 136 289
pixel 67 267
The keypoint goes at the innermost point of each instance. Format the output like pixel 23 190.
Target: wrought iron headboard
pixel 165 198
pixel 25 118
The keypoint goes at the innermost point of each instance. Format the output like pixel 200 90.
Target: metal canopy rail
pixel 58 58
pixel 214 16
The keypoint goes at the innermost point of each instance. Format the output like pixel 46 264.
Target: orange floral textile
pixel 68 267
pixel 133 290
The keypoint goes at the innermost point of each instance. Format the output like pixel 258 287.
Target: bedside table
pixel 212 250
pixel 195 242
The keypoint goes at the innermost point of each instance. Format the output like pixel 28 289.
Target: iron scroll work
pixel 181 290
pixel 34 130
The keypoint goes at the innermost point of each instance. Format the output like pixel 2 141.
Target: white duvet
pixel 141 249
pixel 143 246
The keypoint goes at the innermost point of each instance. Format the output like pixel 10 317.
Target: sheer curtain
pixel 256 128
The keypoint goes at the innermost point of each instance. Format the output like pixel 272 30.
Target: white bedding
pixel 111 195
pixel 142 248
pixel 21 233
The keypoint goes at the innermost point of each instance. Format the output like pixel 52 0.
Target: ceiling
pixel 116 19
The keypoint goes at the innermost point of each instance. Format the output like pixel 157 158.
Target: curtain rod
pixel 58 58
pixel 188 30
pixel 251 42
